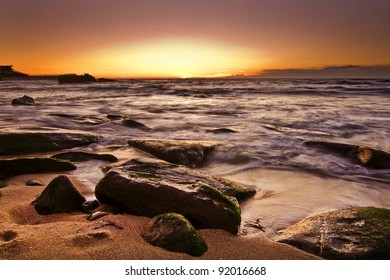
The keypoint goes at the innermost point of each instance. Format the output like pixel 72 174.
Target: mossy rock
pixel 191 154
pixel 83 156
pixel 2 184
pixel 153 188
pixel 27 142
pixel 13 167
pixel 359 233
pixel 175 233
pixel 363 155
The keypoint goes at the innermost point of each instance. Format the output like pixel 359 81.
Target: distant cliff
pixel 8 71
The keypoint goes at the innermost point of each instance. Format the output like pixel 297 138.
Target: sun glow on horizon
pixel 175 58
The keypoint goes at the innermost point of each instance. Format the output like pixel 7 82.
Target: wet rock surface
pixel 365 156
pixel 175 233
pixel 83 156
pixel 153 188
pixel 13 167
pixel 25 142
pixel 191 154
pixel 360 233
pixel 60 196
pixel 25 100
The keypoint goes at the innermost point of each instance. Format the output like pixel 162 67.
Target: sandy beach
pixel 27 235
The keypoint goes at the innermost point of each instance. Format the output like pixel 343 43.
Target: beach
pixel 258 129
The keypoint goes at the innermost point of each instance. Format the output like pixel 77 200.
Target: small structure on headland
pixel 8 71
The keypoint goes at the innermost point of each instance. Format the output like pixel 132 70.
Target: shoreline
pixel 72 237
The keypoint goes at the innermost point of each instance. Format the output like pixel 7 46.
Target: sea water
pixel 271 118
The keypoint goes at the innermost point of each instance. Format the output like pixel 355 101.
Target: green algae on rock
pixel 175 233
pixel 359 233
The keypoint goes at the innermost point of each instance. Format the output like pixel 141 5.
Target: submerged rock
pixel 13 167
pixel 134 124
pixel 83 156
pixel 222 130
pixel 25 100
pixel 60 196
pixel 175 233
pixel 73 79
pixel 25 142
pixel 191 154
pixel 361 233
pixel 366 156
pixel 150 189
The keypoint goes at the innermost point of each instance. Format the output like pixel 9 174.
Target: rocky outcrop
pixel 26 142
pixel 25 100
pixel 366 156
pixel 134 124
pixel 222 130
pixel 76 79
pixel 13 167
pixel 175 233
pixel 361 233
pixel 60 196
pixel 153 188
pixel 191 154
pixel 83 156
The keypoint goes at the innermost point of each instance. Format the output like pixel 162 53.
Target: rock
pixel 222 130
pixel 134 124
pixel 90 205
pixel 26 142
pixel 83 156
pixel 186 153
pixel 13 167
pixel 60 196
pixel 97 215
pixel 73 79
pixel 153 188
pixel 360 233
pixel 175 233
pixel 2 184
pixel 34 182
pixel 115 117
pixel 25 100
pixel 366 156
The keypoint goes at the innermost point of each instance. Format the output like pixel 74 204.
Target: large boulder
pixel 25 100
pixel 13 167
pixel 83 156
pixel 366 156
pixel 60 196
pixel 191 154
pixel 153 188
pixel 175 233
pixel 27 141
pixel 360 233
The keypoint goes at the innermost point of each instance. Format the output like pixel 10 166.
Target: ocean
pixel 270 118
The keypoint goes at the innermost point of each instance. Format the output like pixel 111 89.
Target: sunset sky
pixel 181 38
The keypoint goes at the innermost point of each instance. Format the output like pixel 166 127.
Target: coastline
pixel 72 237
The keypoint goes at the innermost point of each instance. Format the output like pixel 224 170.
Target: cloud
pixel 345 71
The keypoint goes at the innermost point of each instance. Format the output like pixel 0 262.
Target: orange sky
pixel 212 38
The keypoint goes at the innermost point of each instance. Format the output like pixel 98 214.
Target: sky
pixel 181 38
